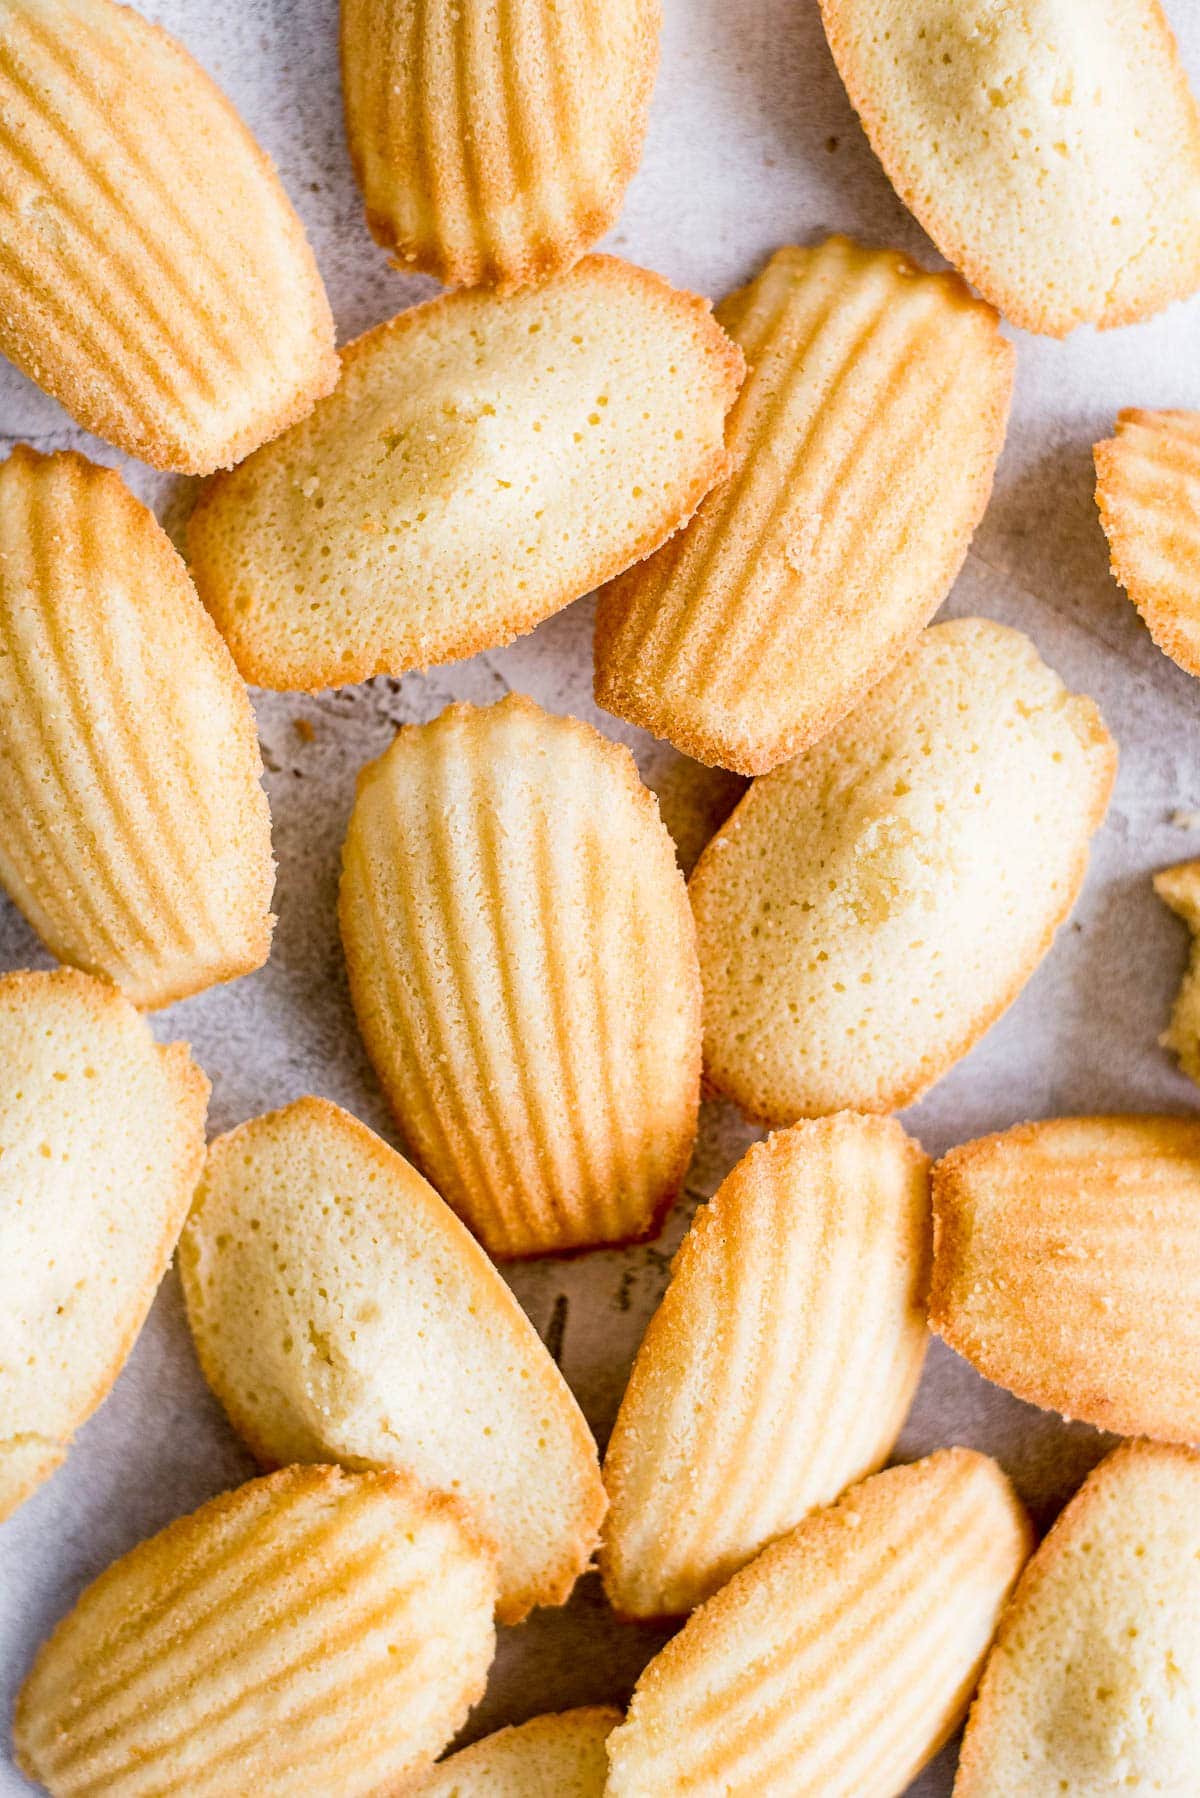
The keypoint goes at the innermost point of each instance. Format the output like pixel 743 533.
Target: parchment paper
pixel 752 144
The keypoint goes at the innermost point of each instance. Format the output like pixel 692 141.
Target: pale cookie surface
pixel 1055 1245
pixel 315 1631
pixel 838 1662
pixel 153 275
pixel 342 1313
pixel 558 1756
pixel 493 139
pixel 1148 492
pixel 863 445
pixel 872 906
pixel 134 833
pixel 483 462
pixel 101 1145
pixel 1093 1687
pixel 781 1363
pixel 1050 149
pixel 523 967
pixel 1179 887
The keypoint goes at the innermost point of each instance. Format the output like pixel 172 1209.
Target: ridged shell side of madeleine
pixel 1093 1685
pixel 873 905
pixel 1179 887
pixel 341 1312
pixel 522 965
pixel 1055 1244
pixel 863 445
pixel 153 275
pixel 134 831
pixel 101 1145
pixel 1148 492
pixel 314 1631
pixel 493 139
pixel 839 1661
pixel 485 460
pixel 781 1363
pixel 557 1756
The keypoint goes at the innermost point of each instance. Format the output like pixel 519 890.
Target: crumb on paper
pixel 303 729
pixel 1185 820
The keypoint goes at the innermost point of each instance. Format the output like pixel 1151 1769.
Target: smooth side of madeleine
pixel 562 1755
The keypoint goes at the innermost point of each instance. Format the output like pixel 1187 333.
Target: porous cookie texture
pixel 1093 1687
pixel 557 1756
pixel 153 275
pixel 342 1313
pixel 781 1363
pixel 1051 150
pixel 1055 1244
pixel 874 904
pixel 1148 492
pixel 493 139
pixel 1179 887
pixel 134 832
pixel 838 1662
pixel 863 445
pixel 483 461
pixel 314 1631
pixel 522 962
pixel 101 1144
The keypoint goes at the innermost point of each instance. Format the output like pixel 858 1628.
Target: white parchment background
pixel 752 144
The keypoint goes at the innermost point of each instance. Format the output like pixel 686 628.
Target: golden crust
pixel 494 142
pixel 441 543
pixel 1148 495
pixel 781 1363
pixel 1052 155
pixel 841 1659
pixel 1053 1242
pixel 153 275
pixel 1179 887
pixel 522 964
pixel 863 445
pixel 313 1631
pixel 561 1755
pixel 134 832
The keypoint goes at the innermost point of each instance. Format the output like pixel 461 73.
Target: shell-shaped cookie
pixel 781 1363
pixel 493 139
pixel 862 445
pixel 101 1145
pixel 1093 1686
pixel 153 275
pixel 1051 150
pixel 1148 492
pixel 840 1660
pixel 134 833
pixel 342 1313
pixel 872 906
pixel 1179 887
pixel 315 1631
pixel 557 1756
pixel 484 460
pixel 1054 1244
pixel 523 967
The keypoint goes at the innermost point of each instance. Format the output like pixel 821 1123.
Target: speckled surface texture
pixel 752 143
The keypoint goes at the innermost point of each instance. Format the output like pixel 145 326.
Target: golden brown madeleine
pixel 557 1756
pixel 872 906
pixel 781 1363
pixel 153 275
pixel 315 1631
pixel 483 461
pixel 840 1660
pixel 1051 150
pixel 863 445
pixel 493 139
pixel 1148 492
pixel 101 1145
pixel 1067 1268
pixel 523 967
pixel 134 833
pixel 1093 1686
pixel 1179 887
pixel 342 1313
